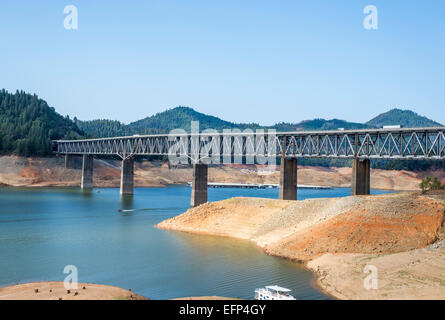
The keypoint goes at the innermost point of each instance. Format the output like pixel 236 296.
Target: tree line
pixel 28 124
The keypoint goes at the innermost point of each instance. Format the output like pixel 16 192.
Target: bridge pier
pixel 199 184
pixel 87 172
pixel 288 179
pixel 127 176
pixel 361 177
pixel 69 161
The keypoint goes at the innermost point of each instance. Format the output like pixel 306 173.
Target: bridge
pixel 263 147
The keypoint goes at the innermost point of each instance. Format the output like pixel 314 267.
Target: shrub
pixel 430 184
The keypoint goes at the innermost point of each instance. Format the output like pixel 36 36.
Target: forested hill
pixel 28 124
pixel 181 118
pixel 103 128
pixel 319 124
pixel 405 118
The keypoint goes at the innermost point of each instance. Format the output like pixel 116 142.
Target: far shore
pixel 18 171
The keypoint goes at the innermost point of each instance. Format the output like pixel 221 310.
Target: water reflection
pixel 87 193
pixel 127 202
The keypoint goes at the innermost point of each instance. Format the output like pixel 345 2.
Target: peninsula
pixel 402 234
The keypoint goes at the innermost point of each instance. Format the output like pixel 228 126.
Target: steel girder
pixel 405 143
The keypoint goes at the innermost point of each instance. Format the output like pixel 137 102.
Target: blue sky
pixel 243 60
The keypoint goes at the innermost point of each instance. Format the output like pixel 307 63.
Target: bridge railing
pixel 405 143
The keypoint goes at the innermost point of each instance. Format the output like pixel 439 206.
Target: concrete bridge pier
pixel 288 179
pixel 69 161
pixel 361 177
pixel 199 184
pixel 127 176
pixel 87 172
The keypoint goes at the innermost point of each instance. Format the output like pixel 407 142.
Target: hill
pixel 181 117
pixel 319 124
pixel 103 128
pixel 28 124
pixel 405 118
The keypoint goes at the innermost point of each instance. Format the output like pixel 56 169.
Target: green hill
pixel 102 128
pixel 405 118
pixel 28 124
pixel 181 118
pixel 319 124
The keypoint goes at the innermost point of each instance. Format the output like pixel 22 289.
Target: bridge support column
pixel 87 172
pixel 288 179
pixel 69 161
pixel 361 177
pixel 199 184
pixel 127 176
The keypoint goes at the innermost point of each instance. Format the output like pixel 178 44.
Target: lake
pixel 44 229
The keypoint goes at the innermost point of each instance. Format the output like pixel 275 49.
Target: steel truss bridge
pixel 401 143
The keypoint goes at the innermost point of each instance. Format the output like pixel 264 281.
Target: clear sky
pixel 241 60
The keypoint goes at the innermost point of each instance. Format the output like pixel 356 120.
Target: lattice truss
pixel 392 144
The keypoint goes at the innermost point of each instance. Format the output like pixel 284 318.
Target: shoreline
pixel 51 172
pixel 332 263
pixel 55 290
pixel 303 264
pixel 77 185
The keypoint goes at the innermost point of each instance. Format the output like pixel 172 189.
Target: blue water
pixel 43 230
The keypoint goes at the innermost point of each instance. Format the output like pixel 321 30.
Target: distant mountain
pixel 181 118
pixel 319 124
pixel 405 118
pixel 28 124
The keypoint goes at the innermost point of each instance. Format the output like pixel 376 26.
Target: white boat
pixel 273 293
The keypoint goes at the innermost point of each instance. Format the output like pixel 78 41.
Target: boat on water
pixel 273 293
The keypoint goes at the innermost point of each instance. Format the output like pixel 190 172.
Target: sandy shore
pixel 399 234
pixel 415 274
pixel 52 290
pixel 57 291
